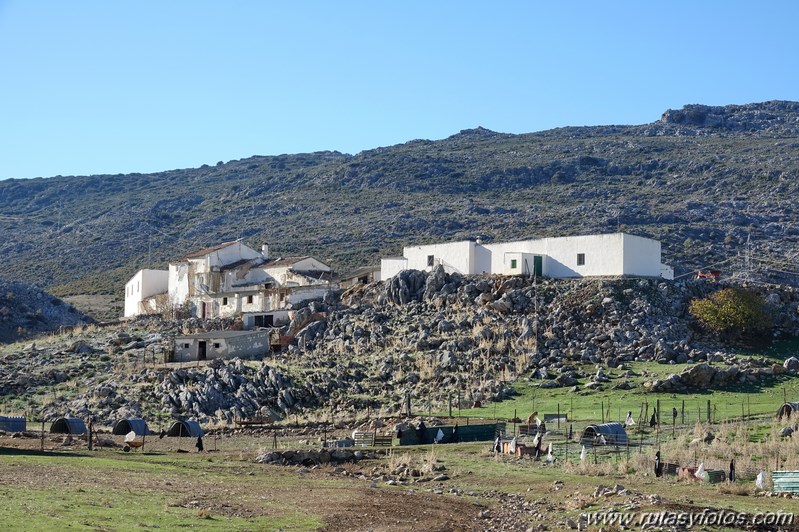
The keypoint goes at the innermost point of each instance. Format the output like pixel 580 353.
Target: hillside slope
pixel 704 180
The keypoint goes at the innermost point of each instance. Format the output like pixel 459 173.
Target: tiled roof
pixel 206 251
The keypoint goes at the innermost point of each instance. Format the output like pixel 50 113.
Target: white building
pixel 141 289
pixel 232 279
pixel 613 255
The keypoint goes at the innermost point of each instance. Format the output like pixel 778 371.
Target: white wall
pixel 604 255
pixel 390 267
pixel 641 256
pixel 454 256
pixel 144 284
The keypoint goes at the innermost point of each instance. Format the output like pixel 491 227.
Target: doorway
pixel 202 350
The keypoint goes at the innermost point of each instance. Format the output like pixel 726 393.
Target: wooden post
pixel 682 415
pixel 709 419
pixel 449 402
pixel 558 415
pixel 602 407
pixel 42 441
pixel 742 409
pixel 658 412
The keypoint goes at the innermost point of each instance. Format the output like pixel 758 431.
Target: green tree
pixel 732 312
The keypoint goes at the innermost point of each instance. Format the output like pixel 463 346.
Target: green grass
pixel 726 404
pixel 135 493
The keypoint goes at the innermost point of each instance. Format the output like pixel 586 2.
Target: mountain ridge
pixel 701 179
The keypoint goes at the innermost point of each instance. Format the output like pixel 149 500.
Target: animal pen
pixel 68 425
pixel 184 429
pixel 13 423
pixel 787 410
pixel 132 429
pixel 605 434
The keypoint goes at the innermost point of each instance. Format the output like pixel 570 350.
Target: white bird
pixel 535 440
pixel 630 421
pixel 130 436
pixel 537 422
pixel 602 440
pixel 583 454
pixel 512 446
pixel 550 458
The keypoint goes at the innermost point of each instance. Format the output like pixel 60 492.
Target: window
pixel 249 299
pixel 138 286
pixel 216 345
pixel 430 260
pixel 513 264
pixel 224 301
pixel 581 259
pixel 185 346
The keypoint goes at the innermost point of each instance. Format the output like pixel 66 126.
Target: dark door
pixel 538 265
pixel 202 350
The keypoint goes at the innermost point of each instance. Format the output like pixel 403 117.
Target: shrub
pixel 732 312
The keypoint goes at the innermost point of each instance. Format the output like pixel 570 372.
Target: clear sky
pixel 114 86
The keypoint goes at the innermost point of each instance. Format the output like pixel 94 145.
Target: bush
pixel 732 312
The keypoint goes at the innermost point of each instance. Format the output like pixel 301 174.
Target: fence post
pixel 709 419
pixel 682 415
pixel 449 402
pixel 602 407
pixel 658 412
pixel 558 415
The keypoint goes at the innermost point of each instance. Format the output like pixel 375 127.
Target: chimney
pixel 265 250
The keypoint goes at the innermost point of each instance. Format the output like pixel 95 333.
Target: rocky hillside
pixel 433 335
pixel 26 310
pixel 704 180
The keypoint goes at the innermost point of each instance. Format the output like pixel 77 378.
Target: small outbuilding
pixel 68 425
pixel 221 344
pixel 787 410
pixel 611 433
pixel 12 423
pixel 185 429
pixel 126 426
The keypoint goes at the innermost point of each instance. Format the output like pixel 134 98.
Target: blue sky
pixel 108 87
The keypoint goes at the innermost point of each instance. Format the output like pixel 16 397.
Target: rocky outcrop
pixel 26 310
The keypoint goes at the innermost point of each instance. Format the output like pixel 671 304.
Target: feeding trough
pixel 134 429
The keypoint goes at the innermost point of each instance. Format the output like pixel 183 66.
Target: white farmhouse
pixel 613 255
pixel 141 290
pixel 232 279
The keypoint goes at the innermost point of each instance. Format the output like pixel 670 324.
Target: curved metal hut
pixel 185 429
pixel 68 425
pixel 613 433
pixel 787 410
pixel 125 426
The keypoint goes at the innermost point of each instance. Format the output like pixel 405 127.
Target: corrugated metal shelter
pixel 787 410
pixel 124 426
pixel 785 481
pixel 13 423
pixel 185 429
pixel 68 425
pixel 613 433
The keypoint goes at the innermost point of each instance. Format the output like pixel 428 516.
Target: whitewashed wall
pixel 641 256
pixel 390 267
pixel 454 256
pixel 144 284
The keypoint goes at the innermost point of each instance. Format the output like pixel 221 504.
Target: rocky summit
pixel 431 335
